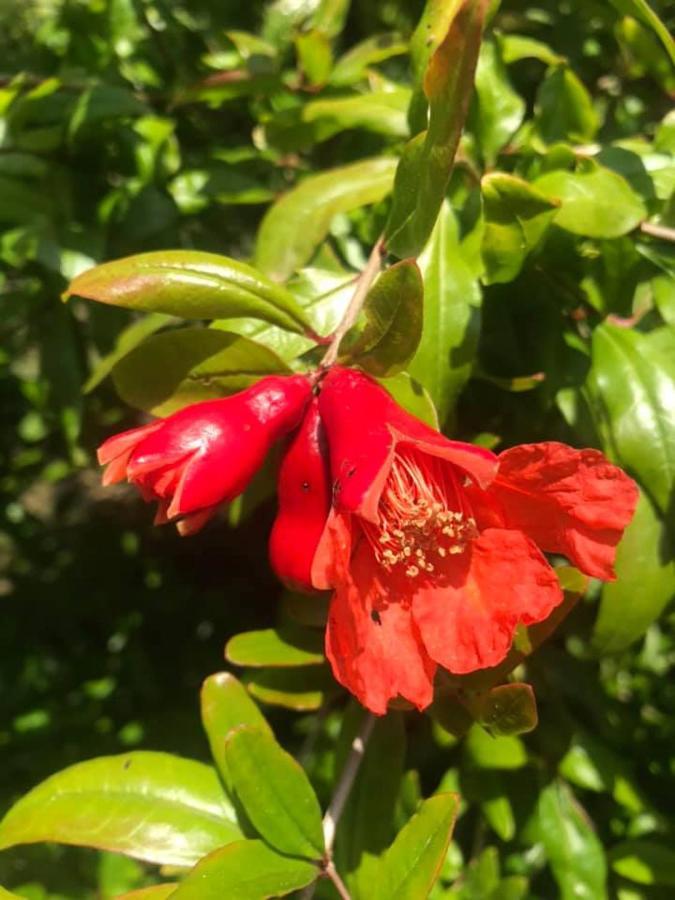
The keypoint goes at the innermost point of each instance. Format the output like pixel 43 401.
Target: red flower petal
pixel 371 640
pixel 364 424
pixel 467 619
pixel 568 501
pixel 304 502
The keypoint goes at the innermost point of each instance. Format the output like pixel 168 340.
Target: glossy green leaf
pixel 354 65
pixel 299 221
pixel 127 339
pixel 393 311
pixel 171 370
pixel 275 792
pixel 497 110
pixel 412 396
pixel 631 392
pixel 226 704
pixel 644 13
pixel 645 584
pixel 367 824
pixel 178 809
pixel 517 216
pixel 190 284
pixel 302 689
pixel 276 647
pixel 594 202
pixel 426 163
pixel 245 870
pixel 452 299
pixel 564 109
pixel 410 867
pixel 507 709
pixel 644 862
pixel 572 847
pixel 156 892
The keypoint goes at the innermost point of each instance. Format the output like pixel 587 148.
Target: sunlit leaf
pixel 644 862
pixel 276 647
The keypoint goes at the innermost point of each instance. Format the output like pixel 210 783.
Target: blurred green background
pixel 130 125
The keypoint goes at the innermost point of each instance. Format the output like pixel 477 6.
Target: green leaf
pixel 367 824
pixel 517 216
pixel 643 12
pixel 515 47
pixel 383 112
pixel 452 299
pixel 245 870
pixel 314 56
pixel 393 311
pixel 631 392
pixel 225 705
pixel 299 221
pixel 644 862
pixel 497 110
pixel 594 202
pixel 275 792
pixel 276 647
pixel 178 809
pixel 506 710
pixel 354 65
pixel 501 752
pixel 127 339
pixel 190 284
pixel 410 867
pixel 591 765
pixel 174 369
pixel 424 170
pixel 488 789
pixel 564 109
pixel 302 689
pixel 572 847
pixel 645 584
pixel 5 895
pixel 156 892
pixel 412 396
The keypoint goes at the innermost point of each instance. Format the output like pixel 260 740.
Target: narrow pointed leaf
pixel 178 809
pixel 275 792
pixel 299 221
pixel 225 705
pixel 284 647
pixel 190 284
pixel 424 170
pixel 410 867
pixel 644 13
pixel 245 870
pixel 176 368
pixel 393 310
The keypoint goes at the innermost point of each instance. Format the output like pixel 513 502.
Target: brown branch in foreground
pixel 658 231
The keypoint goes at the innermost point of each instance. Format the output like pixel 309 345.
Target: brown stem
pixel 658 231
pixel 363 283
pixel 338 883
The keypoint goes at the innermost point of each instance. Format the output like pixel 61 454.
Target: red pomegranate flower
pixel 432 546
pixel 304 502
pixel 207 453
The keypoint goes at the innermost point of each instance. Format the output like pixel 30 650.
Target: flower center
pixel 424 515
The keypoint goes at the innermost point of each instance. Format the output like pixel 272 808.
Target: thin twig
pixel 363 283
pixel 337 805
pixel 658 231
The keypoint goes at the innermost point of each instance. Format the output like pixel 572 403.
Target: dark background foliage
pixel 126 126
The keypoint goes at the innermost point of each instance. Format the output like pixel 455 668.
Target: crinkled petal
pixel 363 426
pixel 371 640
pixel 568 501
pixel 468 617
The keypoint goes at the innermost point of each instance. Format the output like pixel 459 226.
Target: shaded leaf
pixel 393 311
pixel 564 109
pixel 179 809
pixel 505 710
pixel 572 847
pixel 410 867
pixel 299 221
pixel 426 163
pixel 128 338
pixel 517 216
pixel 245 870
pixel 353 65
pixel 275 792
pixel 644 861
pixel 276 647
pixel 171 370
pixel 594 202
pixel 190 284
pixel 225 705
pixel 497 110
pixel 302 689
